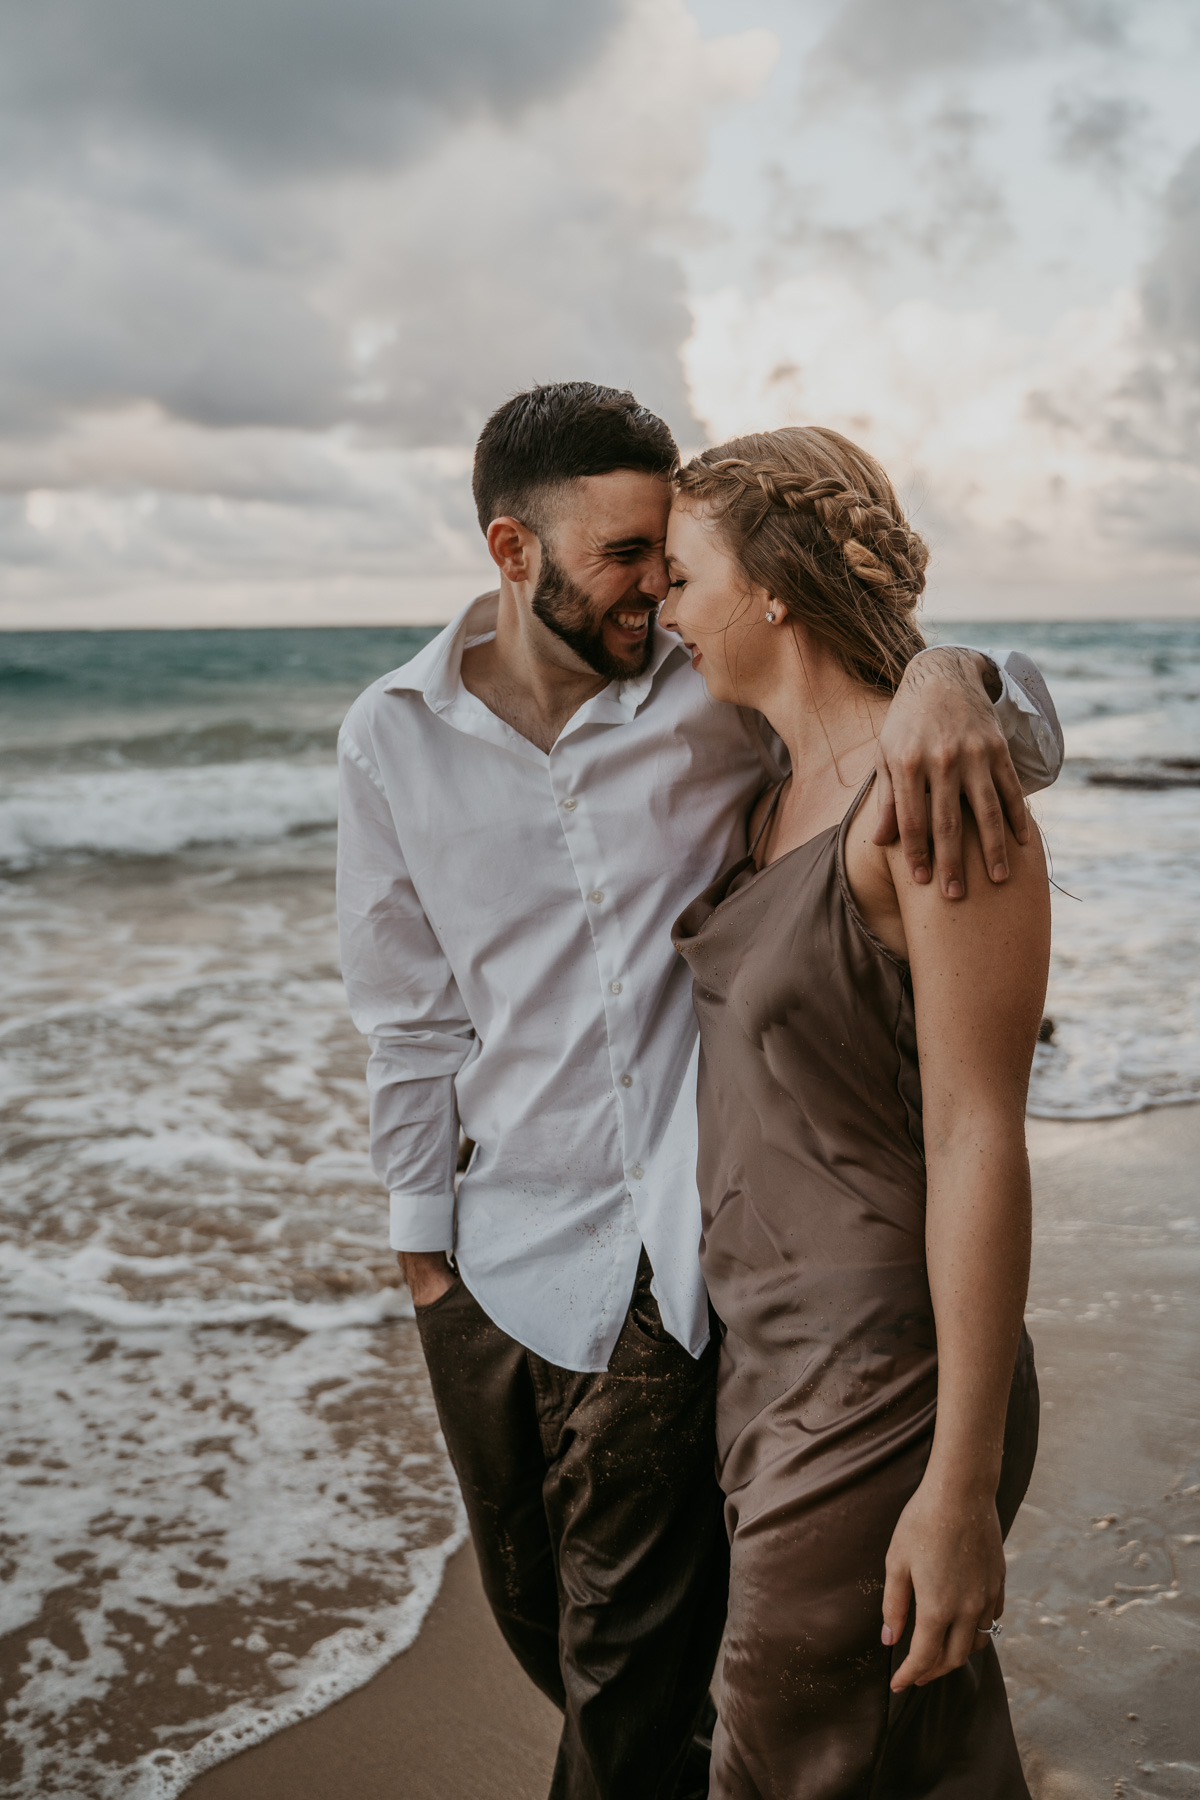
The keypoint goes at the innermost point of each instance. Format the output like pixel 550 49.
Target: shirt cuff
pixel 1013 703
pixel 422 1222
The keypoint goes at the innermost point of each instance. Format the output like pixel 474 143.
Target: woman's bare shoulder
pixel 869 877
pixel 979 968
pixel 1027 884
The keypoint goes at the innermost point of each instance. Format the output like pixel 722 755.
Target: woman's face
pixel 719 615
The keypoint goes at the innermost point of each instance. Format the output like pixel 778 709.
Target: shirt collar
pixel 436 671
pixel 632 693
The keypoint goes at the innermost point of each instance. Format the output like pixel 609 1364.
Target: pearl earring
pixel 771 616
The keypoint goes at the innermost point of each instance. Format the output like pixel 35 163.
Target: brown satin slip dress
pixel 812 1183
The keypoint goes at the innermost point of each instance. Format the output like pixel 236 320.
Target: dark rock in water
pixel 1046 1031
pixel 1167 772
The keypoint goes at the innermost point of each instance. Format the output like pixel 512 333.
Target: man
pixel 526 807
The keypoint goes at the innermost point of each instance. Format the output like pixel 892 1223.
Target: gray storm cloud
pixel 1098 131
pixel 269 266
pixel 880 42
pixel 1158 413
pixel 252 216
pixel 1172 286
pixel 111 304
pixel 286 84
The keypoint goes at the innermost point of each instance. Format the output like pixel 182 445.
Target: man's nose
pixel 653 580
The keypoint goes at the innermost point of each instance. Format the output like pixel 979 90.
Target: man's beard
pixel 565 609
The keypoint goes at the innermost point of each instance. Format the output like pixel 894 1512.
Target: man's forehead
pixel 619 510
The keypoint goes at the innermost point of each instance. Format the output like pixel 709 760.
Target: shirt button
pixel 627 1081
pixel 569 805
pixel 596 895
pixel 614 987
pixel 637 1172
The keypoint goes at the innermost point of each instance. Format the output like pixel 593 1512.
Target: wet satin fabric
pixel 812 1182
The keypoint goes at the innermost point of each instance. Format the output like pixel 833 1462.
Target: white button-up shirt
pixel 505 919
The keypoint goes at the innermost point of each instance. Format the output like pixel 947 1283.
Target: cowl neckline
pixel 740 877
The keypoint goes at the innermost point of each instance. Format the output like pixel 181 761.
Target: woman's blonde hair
pixel 814 520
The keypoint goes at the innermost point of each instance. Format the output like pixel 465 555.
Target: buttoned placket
pixel 571 807
pixel 455 702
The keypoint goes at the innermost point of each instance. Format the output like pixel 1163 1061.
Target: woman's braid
pixel 815 521
pixel 878 547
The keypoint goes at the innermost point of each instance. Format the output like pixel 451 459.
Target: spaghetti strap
pixel 768 816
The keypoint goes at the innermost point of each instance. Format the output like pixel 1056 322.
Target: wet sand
pixel 1103 1613
pixel 451 1719
pixel 1103 1616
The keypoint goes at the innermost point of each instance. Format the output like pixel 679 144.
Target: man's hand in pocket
pixel 427 1273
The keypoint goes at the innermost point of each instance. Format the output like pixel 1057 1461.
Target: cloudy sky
pixel 268 264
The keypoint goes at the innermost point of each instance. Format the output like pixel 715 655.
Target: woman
pixel 862 1169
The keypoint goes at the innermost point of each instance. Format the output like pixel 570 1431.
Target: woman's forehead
pixel 690 525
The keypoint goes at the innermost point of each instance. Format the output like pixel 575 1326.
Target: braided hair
pixel 814 520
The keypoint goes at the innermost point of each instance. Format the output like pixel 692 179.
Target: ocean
pixel 224 1497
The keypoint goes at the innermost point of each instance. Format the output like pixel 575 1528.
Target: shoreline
pixel 1115 1287
pixel 451 1718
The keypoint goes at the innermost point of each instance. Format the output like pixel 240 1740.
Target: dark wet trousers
pixel 597 1521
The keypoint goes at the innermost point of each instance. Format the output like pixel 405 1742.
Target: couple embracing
pixel 724 1327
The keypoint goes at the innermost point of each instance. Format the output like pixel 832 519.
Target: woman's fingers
pixel 941 1645
pixel 962 1640
pixel 897 1598
pixel 918 1667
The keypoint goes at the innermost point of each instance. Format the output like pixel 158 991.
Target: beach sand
pixel 451 1719
pixel 1103 1613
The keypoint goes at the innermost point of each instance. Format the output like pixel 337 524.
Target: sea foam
pixel 213 1532
pixel 156 812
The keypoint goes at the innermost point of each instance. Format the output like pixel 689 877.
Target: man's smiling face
pixel 603 571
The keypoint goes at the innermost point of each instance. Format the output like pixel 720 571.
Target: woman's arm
pixel 979 980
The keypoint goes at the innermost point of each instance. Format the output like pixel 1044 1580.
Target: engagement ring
pixel 993 1630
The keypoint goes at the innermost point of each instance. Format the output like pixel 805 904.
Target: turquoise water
pixel 142 669
pixel 144 744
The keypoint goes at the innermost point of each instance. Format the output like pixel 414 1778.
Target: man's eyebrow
pixel 632 543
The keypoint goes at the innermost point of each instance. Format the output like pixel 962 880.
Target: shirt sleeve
pixel 1026 715
pixel 404 999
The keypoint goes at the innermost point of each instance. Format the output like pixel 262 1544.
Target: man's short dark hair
pixel 540 440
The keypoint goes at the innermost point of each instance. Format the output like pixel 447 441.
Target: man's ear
pixel 514 549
